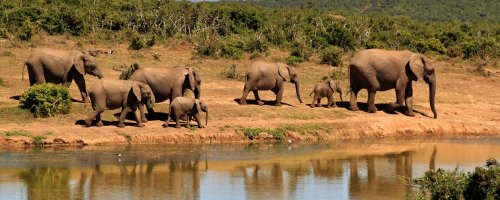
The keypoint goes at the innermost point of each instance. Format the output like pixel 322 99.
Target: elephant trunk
pixel 98 73
pixel 432 93
pixel 206 117
pixel 297 90
pixel 197 92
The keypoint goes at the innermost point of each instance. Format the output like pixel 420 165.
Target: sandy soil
pixel 466 103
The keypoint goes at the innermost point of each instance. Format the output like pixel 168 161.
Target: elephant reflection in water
pixel 47 183
pixel 260 184
pixel 171 178
pixel 371 185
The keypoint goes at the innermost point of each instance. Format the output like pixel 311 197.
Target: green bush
pixel 136 43
pixel 232 49
pixel 26 31
pixel 126 72
pixel 334 75
pixel 46 100
pixel 3 33
pixel 232 73
pixel 332 55
pixel 482 183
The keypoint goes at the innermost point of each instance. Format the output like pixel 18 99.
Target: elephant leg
pixel 354 100
pixel 188 122
pixel 318 102
pixel 177 118
pixel 169 117
pixel 243 99
pixel 400 96
pixel 36 76
pixel 99 120
pixel 89 119
pixel 80 82
pixel 371 101
pixel 331 102
pixel 279 95
pixel 257 98
pixel 141 112
pixel 138 117
pixel 197 118
pixel 123 114
pixel 409 100
pixel 313 103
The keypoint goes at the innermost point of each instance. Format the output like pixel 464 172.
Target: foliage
pixel 304 28
pixel 37 140
pixel 126 72
pixel 332 55
pixel 232 73
pixel 482 183
pixel 17 133
pixel 334 75
pixel 252 133
pixel 2 82
pixel 46 100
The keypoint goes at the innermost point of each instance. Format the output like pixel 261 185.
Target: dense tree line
pixel 231 29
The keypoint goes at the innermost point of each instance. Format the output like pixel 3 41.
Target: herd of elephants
pixel 371 69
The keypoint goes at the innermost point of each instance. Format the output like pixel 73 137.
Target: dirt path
pixel 467 104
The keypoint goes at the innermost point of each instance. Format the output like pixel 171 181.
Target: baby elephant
pixel 186 106
pixel 110 94
pixel 326 90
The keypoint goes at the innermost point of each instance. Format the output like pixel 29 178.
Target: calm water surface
pixel 352 169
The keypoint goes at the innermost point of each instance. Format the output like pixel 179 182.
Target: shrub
pixel 126 72
pixel 334 75
pixel 46 100
pixel 332 55
pixel 2 83
pixel 26 31
pixel 232 73
pixel 136 43
pixel 252 133
pixel 3 33
pixel 300 52
pixel 482 183
pixel 232 49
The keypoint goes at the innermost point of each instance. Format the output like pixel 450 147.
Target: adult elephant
pixel 61 67
pixel 168 83
pixel 269 76
pixel 381 70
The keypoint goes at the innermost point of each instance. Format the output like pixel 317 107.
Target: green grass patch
pixel 308 128
pixel 17 133
pixel 252 133
pixel 37 140
pixel 2 83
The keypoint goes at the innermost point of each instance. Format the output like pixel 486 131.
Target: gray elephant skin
pixel 381 70
pixel 168 83
pixel 110 94
pixel 189 107
pixel 269 76
pixel 327 89
pixel 61 67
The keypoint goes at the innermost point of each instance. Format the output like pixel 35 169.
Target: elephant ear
pixel 198 106
pixel 417 65
pixel 78 64
pixel 284 71
pixel 332 85
pixel 192 81
pixel 136 89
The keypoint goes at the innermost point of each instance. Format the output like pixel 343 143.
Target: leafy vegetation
pixel 232 73
pixel 17 133
pixel 46 100
pixel 324 28
pixel 2 83
pixel 482 183
pixel 126 72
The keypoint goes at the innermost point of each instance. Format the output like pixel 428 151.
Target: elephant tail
pixel 311 93
pixel 22 73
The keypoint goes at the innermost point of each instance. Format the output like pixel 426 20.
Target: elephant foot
pixel 312 106
pixel 99 124
pixel 242 102
pixel 277 104
pixel 165 125
pixel 353 108
pixel 121 125
pixel 372 109
pixel 201 126
pixel 140 125
pixel 144 121
pixel 177 126
pixel 260 103
pixel 88 122
pixel 410 113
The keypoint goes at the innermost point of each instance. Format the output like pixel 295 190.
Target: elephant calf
pixel 110 94
pixel 185 106
pixel 326 90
